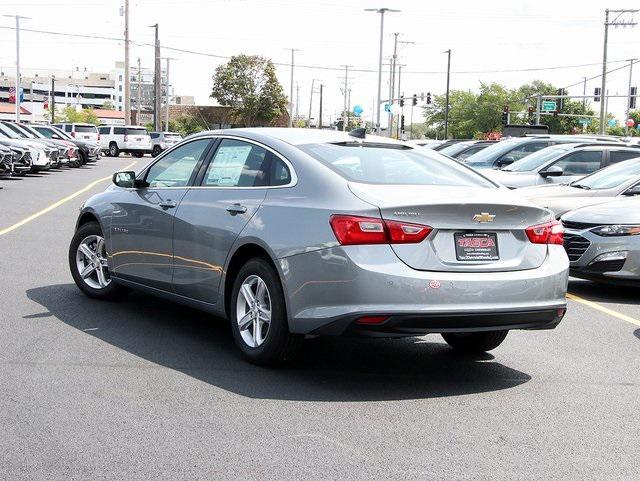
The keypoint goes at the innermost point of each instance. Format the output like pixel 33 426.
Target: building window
pixel 120 78
pixel 120 99
pixel 120 87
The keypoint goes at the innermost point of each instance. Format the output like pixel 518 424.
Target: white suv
pixel 128 138
pixel 80 131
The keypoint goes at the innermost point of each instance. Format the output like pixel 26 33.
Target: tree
pixel 108 105
pixel 84 116
pixel 248 84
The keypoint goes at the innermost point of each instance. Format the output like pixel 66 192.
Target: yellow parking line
pixel 58 203
pixel 606 310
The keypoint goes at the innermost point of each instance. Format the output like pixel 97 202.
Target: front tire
pixel 88 264
pixel 259 316
pixel 475 342
pixel 114 151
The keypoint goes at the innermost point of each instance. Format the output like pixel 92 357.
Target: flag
pixel 12 95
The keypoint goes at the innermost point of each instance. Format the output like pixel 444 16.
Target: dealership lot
pixel 145 389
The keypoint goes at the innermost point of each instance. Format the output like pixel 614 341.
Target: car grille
pixel 577 225
pixel 575 245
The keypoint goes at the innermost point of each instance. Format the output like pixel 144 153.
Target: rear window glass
pixel 379 164
pixel 137 132
pixel 86 128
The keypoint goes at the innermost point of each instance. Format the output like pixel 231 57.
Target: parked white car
pixel 80 131
pixel 128 139
pixel 161 141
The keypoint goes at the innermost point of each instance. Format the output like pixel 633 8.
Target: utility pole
pixel 53 99
pixel 584 93
pixel 139 95
pixel 156 81
pixel 615 22
pixel 345 94
pixel 127 74
pixel 392 80
pixel 311 100
pixel 381 11
pixel 320 113
pixel 293 50
pixel 297 100
pixel 17 17
pixel 446 99
pixel 168 95
pixel 626 127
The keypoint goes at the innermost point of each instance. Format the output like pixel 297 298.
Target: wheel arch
pixel 248 249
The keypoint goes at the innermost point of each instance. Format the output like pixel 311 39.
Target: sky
pixel 491 41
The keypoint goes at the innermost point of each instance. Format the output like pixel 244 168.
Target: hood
pixel 25 143
pixel 625 211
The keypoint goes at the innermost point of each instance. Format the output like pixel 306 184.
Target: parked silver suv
pixel 161 141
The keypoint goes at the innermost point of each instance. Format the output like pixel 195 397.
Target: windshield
pixel 33 132
pixel 137 132
pixel 487 157
pixel 21 133
pixel 453 149
pixel 86 128
pixel 537 159
pixel 393 165
pixel 611 176
pixel 9 133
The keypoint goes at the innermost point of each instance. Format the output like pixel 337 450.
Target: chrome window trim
pixel 292 172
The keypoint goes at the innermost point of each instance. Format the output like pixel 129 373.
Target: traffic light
pixel 505 115
pixel 596 94
pixel 530 114
pixel 561 100
pixel 632 100
pixel 428 97
pixel 415 100
pixel 402 101
pixel 402 123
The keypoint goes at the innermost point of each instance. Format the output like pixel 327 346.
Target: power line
pixel 316 67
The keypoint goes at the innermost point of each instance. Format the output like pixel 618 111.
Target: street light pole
pixel 381 11
pixel 156 81
pixel 168 95
pixel 293 50
pixel 17 17
pixel 446 100
pixel 127 66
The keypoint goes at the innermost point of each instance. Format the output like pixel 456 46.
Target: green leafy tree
pixel 84 116
pixel 248 84
pixel 108 105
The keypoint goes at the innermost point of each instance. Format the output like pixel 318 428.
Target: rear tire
pixel 274 344
pixel 156 151
pixel 114 151
pixel 91 284
pixel 475 342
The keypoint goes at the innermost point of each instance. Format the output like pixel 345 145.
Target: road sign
pixel 387 107
pixel 584 122
pixel 548 105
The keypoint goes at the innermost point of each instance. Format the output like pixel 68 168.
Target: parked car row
pixel 590 183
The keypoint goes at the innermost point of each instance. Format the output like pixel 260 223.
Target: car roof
pixel 298 136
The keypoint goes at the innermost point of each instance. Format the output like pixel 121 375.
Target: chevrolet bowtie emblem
pixel 484 217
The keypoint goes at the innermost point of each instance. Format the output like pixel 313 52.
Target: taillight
pixel 73 134
pixel 98 137
pixel 354 230
pixel 126 138
pixel 547 233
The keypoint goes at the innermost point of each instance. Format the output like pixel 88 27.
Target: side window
pixel 103 130
pixel 175 168
pixel 524 150
pixel 237 164
pixel 616 156
pixel 118 131
pixel 580 163
pixel 68 128
pixel 153 135
pixel 470 151
pixel 279 174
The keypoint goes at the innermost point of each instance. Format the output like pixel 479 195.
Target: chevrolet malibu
pixel 292 232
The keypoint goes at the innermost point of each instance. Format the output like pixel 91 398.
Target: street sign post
pixel 548 105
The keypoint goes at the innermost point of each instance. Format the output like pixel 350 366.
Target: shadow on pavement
pixel 330 369
pixel 601 292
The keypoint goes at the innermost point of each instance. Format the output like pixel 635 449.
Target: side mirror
pixel 553 171
pixel 126 179
pixel 506 160
pixel 56 136
pixel 635 190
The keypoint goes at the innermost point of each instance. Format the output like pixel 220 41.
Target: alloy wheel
pixel 91 262
pixel 253 311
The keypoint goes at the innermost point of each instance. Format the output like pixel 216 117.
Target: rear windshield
pixel 137 132
pixel 611 176
pixel 86 128
pixel 535 160
pixel 393 165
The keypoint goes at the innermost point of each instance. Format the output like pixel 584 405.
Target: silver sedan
pixel 296 232
pixel 603 241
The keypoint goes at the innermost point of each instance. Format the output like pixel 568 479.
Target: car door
pixel 142 220
pixel 576 165
pixel 232 185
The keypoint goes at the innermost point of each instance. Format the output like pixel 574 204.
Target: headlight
pixel 616 230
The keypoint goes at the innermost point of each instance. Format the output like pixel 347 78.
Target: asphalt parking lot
pixel 143 389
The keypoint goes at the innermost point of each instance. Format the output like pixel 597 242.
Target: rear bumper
pixel 328 290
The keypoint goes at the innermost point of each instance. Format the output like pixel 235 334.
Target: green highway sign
pixel 548 105
pixel 584 122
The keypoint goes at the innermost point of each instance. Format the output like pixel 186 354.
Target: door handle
pixel 167 204
pixel 236 209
